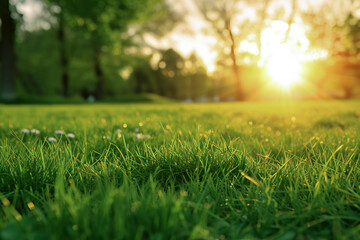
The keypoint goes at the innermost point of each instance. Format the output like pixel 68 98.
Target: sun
pixel 282 56
pixel 284 67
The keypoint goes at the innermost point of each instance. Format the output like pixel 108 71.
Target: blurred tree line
pixel 88 49
pixel 97 48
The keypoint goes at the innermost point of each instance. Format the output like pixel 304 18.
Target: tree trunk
pixel 263 16
pixel 291 19
pixel 7 51
pixel 238 86
pixel 100 83
pixel 63 57
pixel 348 90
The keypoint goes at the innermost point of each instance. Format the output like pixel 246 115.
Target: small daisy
pixel 141 136
pixel 35 131
pixel 118 133
pixel 137 130
pixel 60 132
pixel 52 139
pixel 70 135
pixel 25 130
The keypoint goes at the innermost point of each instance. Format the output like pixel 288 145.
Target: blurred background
pixel 190 50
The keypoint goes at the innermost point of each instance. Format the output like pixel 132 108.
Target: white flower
pixel 25 130
pixel 136 129
pixel 119 133
pixel 60 132
pixel 35 131
pixel 70 135
pixel 52 139
pixel 107 137
pixel 141 136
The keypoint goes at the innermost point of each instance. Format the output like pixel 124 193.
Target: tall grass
pixel 221 171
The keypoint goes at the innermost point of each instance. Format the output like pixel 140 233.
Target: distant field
pixel 277 170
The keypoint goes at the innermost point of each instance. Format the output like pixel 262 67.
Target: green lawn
pixel 279 170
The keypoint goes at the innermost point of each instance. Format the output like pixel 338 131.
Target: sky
pixel 31 10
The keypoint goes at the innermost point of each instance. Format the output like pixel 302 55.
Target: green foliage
pixel 143 78
pixel 171 67
pixel 199 81
pixel 280 170
pixel 182 78
pixel 103 19
pixel 351 37
pixel 38 71
pixel 89 36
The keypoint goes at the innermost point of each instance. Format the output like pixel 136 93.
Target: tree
pixel 64 61
pixel 106 20
pixel 38 70
pixel 143 76
pixel 223 18
pixel 61 13
pixel 220 14
pixel 198 80
pixel 336 30
pixel 7 50
pixel 349 63
pixel 171 66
